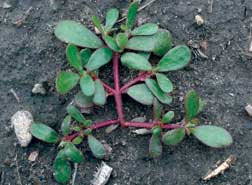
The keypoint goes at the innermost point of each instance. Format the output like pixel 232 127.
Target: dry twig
pixel 15 95
pixel 17 167
pixel 20 21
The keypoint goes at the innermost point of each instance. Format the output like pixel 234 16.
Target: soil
pixel 30 53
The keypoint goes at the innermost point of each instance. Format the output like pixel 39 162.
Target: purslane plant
pixel 130 47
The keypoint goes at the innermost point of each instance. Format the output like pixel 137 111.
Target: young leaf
pixel 97 23
pixel 135 61
pixel 87 123
pixel 87 85
pixel 212 136
pixel 44 133
pixel 62 169
pixel 65 125
pixel 111 18
pixel 77 140
pixel 168 117
pixel 85 54
pixel 75 113
pixel 163 42
pixel 100 94
pixel 131 17
pixel 156 131
pixel 96 147
pixel 65 81
pixel 121 40
pixel 83 101
pixel 73 56
pixel 175 59
pixel 77 34
pixel 155 89
pixel 173 137
pixel 99 58
pixel 164 83
pixel 157 109
pixel 110 41
pixel 191 105
pixel 72 153
pixel 146 29
pixel 141 94
pixel 155 146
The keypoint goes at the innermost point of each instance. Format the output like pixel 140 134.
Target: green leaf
pixel 141 94
pixel 191 105
pixel 155 146
pixel 77 34
pixel 163 42
pixel 85 54
pixel 212 136
pixel 155 89
pixel 87 85
pixel 164 83
pixel 44 133
pixel 73 57
pixel 87 123
pixel 146 55
pixel 110 41
pixel 168 117
pixel 66 81
pixel 62 169
pixel 157 109
pixel 156 131
pixel 97 23
pixel 96 147
pixel 77 140
pixel 173 137
pixel 100 94
pixel 146 29
pixel 99 58
pixel 122 40
pixel 111 18
pixel 72 153
pixel 135 61
pixel 175 59
pixel 131 17
pixel 65 125
pixel 75 113
pixel 82 100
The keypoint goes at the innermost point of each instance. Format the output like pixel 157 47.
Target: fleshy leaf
pixel 135 61
pixel 72 153
pixel 111 18
pixel 155 89
pixel 146 55
pixel 85 54
pixel 157 109
pixel 100 94
pixel 155 146
pixel 73 57
pixel 167 118
pixel 97 23
pixel 77 140
pixel 156 131
pixel 65 81
pixel 173 137
pixel 99 58
pixel 131 17
pixel 163 42
pixel 191 105
pixel 87 123
pixel 96 147
pixel 83 101
pixel 65 125
pixel 75 113
pixel 175 59
pixel 164 83
pixel 212 136
pixel 146 29
pixel 121 40
pixel 110 41
pixel 44 133
pixel 77 34
pixel 141 94
pixel 87 85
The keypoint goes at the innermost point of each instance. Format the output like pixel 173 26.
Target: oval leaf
pixel 100 94
pixel 155 89
pixel 85 54
pixel 75 113
pixel 96 147
pixel 173 137
pixel 111 18
pixel 72 153
pixel 73 57
pixel 141 94
pixel 155 146
pixel 135 61
pixel 97 23
pixel 168 117
pixel 83 101
pixel 65 125
pixel 99 58
pixel 65 81
pixel 131 17
pixel 192 105
pixel 44 133
pixel 121 40
pixel 175 59
pixel 146 29
pixel 164 83
pixel 110 41
pixel 157 109
pixel 87 85
pixel 212 136
pixel 77 34
pixel 163 42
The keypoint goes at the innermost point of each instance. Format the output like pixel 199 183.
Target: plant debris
pixel 20 21
pixel 248 108
pixel 33 156
pixel 102 175
pixel 199 20
pixel 39 89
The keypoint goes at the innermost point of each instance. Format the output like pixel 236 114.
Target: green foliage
pixel 73 57
pixel 164 83
pixel 173 137
pixel 87 85
pixel 155 146
pixel 72 153
pixel 131 17
pixel 141 94
pixel 65 125
pixel 157 109
pixel 122 40
pixel 44 133
pixel 167 118
pixel 96 21
pixel 82 100
pixel 191 105
pixel 111 18
pixel 146 29
pixel 100 94
pixel 96 147
pixel 66 81
pixel 75 113
pixel 85 54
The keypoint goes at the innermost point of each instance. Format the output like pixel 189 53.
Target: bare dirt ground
pixel 30 53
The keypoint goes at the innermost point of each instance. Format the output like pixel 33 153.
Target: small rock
pixel 22 121
pixel 39 89
pixel 33 156
pixel 199 20
pixel 142 131
pixel 248 108
pixel 6 5
pixel 111 128
pixel 139 119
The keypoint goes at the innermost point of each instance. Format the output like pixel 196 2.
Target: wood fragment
pixel 102 176
pixel 33 156
pixel 20 21
pixel 210 6
pixel 75 172
pixel 221 168
pixel 15 95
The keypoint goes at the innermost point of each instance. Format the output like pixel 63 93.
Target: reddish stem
pixel 151 125
pixel 103 124
pixel 108 88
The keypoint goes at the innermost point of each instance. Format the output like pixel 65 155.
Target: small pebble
pixel 39 89
pixel 142 131
pixel 33 156
pixel 248 108
pixel 6 5
pixel 199 20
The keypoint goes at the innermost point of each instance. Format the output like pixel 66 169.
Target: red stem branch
pixel 151 125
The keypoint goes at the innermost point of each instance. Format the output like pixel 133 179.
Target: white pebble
pixel 248 108
pixel 199 20
pixel 39 89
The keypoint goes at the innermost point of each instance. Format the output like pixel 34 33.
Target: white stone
pixel 38 89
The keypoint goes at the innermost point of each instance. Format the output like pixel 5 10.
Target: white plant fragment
pixel 102 175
